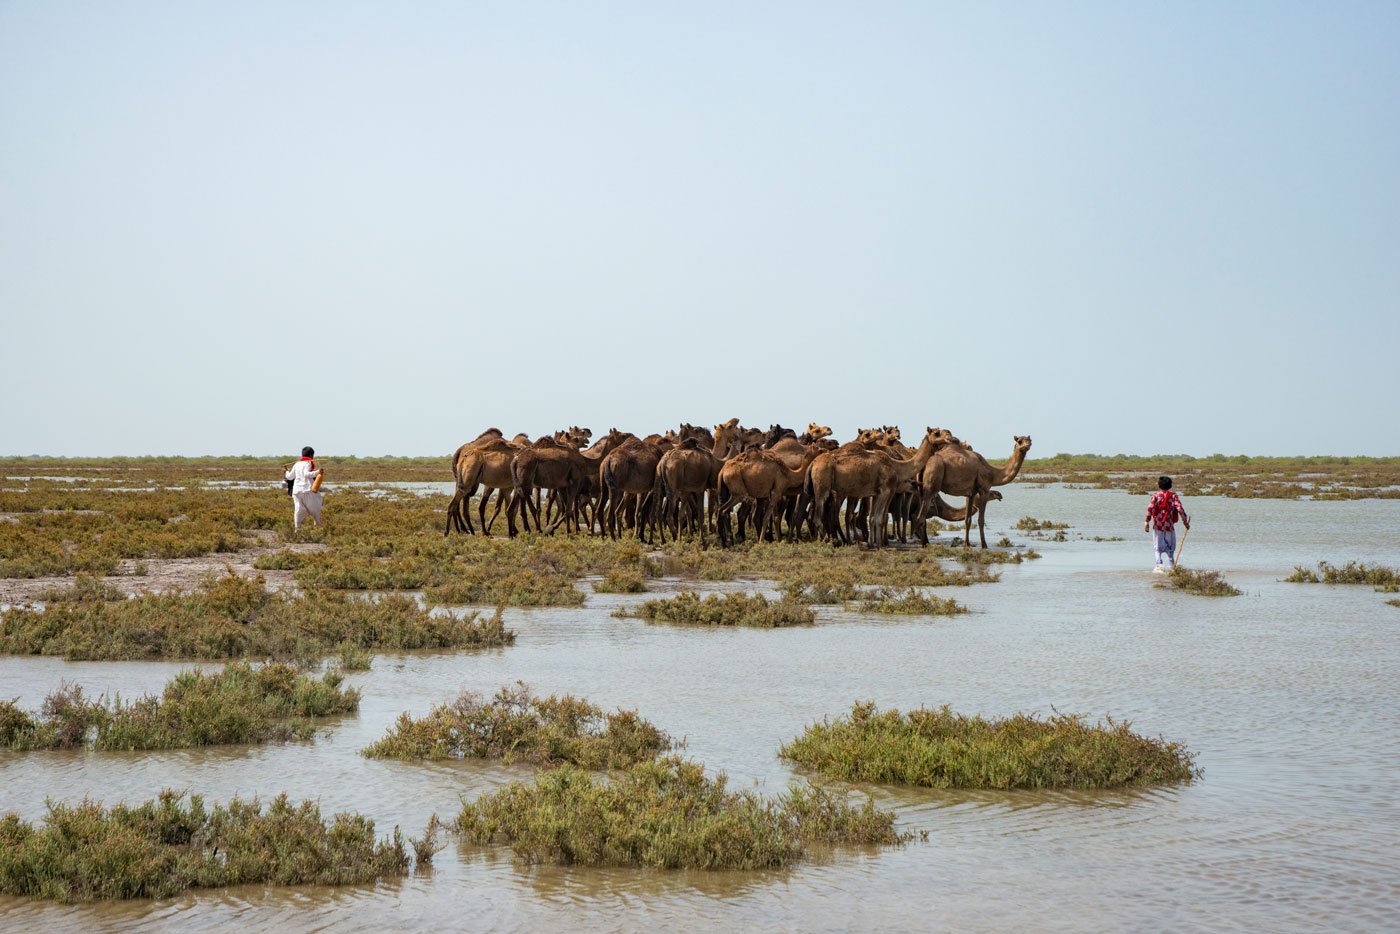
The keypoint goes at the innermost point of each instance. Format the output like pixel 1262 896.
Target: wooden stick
pixel 1182 544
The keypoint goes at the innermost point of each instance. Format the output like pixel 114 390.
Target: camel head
pixel 818 431
pixel 777 433
pixel 891 433
pixel 938 436
pixel 1023 443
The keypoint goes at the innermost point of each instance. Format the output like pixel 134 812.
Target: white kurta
pixel 305 502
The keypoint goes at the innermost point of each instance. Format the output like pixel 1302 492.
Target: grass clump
pixel 1204 583
pixel 731 609
pixel 941 749
pixel 621 580
pixel 233 617
pixel 85 588
pixel 86 852
pixel 1395 602
pixel 279 561
pixel 1350 573
pixel 829 589
pixel 665 814
pixel 354 658
pixel 515 725
pixel 910 602
pixel 240 704
pixel 1032 524
pixel 521 588
pixel 427 846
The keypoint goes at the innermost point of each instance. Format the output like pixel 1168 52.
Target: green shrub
pixel 233 617
pixel 240 704
pixel 516 725
pixel 1031 524
pixel 1204 583
pixel 1349 573
pixel 279 561
pixel 910 602
pixel 521 588
pixel 86 852
pixel 732 609
pixel 85 588
pixel 941 749
pixel 665 814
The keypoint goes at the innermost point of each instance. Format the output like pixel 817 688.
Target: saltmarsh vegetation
pixel 666 814
pixel 1032 524
pixel 1203 583
pixel 516 725
pixel 621 580
pixel 1373 575
pixel 940 749
pixel 240 704
pixel 909 602
pixel 730 609
pixel 235 617
pixel 86 852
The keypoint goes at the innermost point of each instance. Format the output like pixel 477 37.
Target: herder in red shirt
pixel 1162 512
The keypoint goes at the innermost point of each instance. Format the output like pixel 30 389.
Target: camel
pixel 487 464
pixel 726 439
pixel 899 479
pixel 683 476
pixel 629 470
pixel 458 510
pixel 760 480
pixel 958 470
pixel 857 474
pixel 560 468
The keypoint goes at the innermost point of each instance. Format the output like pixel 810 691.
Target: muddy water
pixel 1290 694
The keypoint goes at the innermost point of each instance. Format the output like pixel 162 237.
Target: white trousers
pixel 306 504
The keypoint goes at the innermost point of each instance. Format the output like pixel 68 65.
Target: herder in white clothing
pixel 305 501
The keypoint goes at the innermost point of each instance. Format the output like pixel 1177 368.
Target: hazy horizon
pixel 1119 228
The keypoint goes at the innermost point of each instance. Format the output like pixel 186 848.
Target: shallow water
pixel 1290 695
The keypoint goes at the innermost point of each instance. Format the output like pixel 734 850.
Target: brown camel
pixel 629 471
pixel 759 480
pixel 858 475
pixel 683 476
pixel 459 515
pixel 900 477
pixel 488 465
pixel 958 470
pixel 561 469
pixel 726 439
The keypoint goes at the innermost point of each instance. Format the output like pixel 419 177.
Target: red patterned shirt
pixel 1164 509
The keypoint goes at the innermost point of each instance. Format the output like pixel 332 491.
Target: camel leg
pixel 480 504
pixel 967 521
pixel 982 520
pixel 452 511
pixel 722 521
pixel 501 499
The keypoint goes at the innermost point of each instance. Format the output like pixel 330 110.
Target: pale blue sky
pixel 379 228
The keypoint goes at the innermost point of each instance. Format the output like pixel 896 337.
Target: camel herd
pixel 695 480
